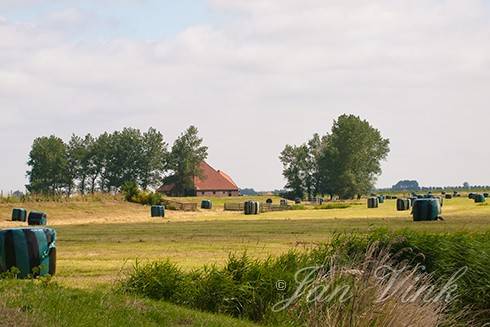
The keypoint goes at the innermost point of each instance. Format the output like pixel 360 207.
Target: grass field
pixel 100 240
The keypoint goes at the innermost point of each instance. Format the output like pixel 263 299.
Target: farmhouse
pixel 212 183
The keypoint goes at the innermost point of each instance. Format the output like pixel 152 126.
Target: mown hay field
pixel 100 240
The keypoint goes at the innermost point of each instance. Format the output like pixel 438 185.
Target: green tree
pixel 48 162
pixel 345 162
pixel 124 153
pixel 187 153
pixel 153 159
pixel 96 163
pixel 296 169
pixel 351 158
pixel 76 153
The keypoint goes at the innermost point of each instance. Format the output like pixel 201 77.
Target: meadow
pixel 100 239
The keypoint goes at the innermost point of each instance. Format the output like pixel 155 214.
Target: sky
pixel 253 76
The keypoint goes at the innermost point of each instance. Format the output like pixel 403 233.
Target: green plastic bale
pixel 479 198
pixel 428 209
pixel 402 204
pixel 157 211
pixel 373 202
pixel 19 214
pixel 31 250
pixel 37 218
pixel 206 204
pixel 381 199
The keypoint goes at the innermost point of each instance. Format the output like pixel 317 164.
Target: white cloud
pixel 419 70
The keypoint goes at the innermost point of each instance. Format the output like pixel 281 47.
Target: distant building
pixel 406 185
pixel 212 183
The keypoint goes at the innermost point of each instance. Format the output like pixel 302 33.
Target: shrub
pixel 130 190
pixel 246 287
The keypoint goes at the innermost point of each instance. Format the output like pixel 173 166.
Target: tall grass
pixel 247 288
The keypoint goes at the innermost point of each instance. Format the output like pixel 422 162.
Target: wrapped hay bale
pixel 381 199
pixel 297 201
pixel 37 218
pixel 158 211
pixel 479 198
pixel 402 204
pixel 283 202
pixel 19 214
pixel 31 250
pixel 485 195
pixel 448 196
pixel 373 202
pixel 206 204
pixel 428 209
pixel 268 201
pixel 471 196
pixel 252 208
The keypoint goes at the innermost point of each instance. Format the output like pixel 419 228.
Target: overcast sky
pixel 253 75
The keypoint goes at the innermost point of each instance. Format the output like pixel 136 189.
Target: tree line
pixel 344 162
pixel 107 162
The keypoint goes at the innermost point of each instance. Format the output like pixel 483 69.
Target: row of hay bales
pixel 424 207
pixel 158 211
pixel 33 218
pixel 478 197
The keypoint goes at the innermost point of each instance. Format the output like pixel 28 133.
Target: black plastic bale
pixel 268 201
pixel 485 195
pixel 251 208
pixel 402 204
pixel 297 201
pixel 373 202
pixel 448 196
pixel 37 218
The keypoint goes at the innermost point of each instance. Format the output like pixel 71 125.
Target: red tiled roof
pixel 213 180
